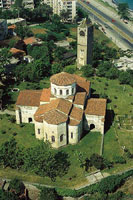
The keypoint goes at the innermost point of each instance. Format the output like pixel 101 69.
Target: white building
pixel 6 4
pixel 61 112
pixel 66 5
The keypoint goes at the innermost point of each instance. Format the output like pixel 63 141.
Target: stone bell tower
pixel 84 43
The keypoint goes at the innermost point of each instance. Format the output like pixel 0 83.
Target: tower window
pixel 38 131
pixel 67 91
pixel 60 92
pixel 72 135
pixel 53 138
pixel 82 33
pixel 61 138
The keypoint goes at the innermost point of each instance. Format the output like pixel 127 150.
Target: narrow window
pixel 55 91
pixel 61 138
pixel 72 135
pixel 46 136
pixel 53 138
pixel 38 131
pixel 60 92
pixel 72 90
pixel 67 91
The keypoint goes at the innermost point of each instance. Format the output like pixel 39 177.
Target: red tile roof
pixel 29 98
pixel 62 79
pixel 16 51
pixel 30 40
pixel 76 113
pixel 45 96
pixel 96 107
pixel 55 117
pixel 13 26
pixel 80 98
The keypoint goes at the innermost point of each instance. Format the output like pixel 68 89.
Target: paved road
pixel 121 41
pixel 108 18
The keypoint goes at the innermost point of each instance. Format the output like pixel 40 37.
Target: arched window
pixel 67 92
pixel 72 135
pixel 61 138
pixel 92 126
pixel 30 119
pixel 55 91
pixel 53 138
pixel 60 92
pixel 39 131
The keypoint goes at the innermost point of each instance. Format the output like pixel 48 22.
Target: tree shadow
pixel 109 119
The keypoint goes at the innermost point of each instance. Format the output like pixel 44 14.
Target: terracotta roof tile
pixel 73 122
pixel 76 113
pixel 62 79
pixel 80 98
pixel 15 51
pixel 55 117
pixel 29 98
pixel 13 26
pixel 61 105
pixel 30 40
pixel 45 96
pixel 83 85
pixel 96 107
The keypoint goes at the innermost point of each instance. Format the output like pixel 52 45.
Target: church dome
pixel 62 79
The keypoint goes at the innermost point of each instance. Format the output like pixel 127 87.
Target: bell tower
pixel 84 43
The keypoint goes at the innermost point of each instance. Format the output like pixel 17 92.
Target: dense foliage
pixel 41 159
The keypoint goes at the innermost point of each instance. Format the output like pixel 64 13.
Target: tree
pixel 5 56
pixel 16 186
pixel 123 10
pixel 23 31
pixel 97 161
pixel 124 77
pixel 5 195
pixel 87 70
pixel 18 5
pixel 11 155
pixel 64 15
pixel 48 194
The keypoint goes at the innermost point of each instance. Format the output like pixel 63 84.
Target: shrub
pixel 70 69
pixel 17 186
pixel 119 159
pixel 3 132
pixel 12 119
pixel 14 134
pixel 48 194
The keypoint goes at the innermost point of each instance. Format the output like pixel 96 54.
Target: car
pixel 113 20
pixel 125 21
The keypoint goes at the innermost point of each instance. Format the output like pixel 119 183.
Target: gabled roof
pixel 76 113
pixel 30 40
pixel 96 107
pixel 45 96
pixel 16 51
pixel 61 105
pixel 80 98
pixel 55 117
pixel 29 98
pixel 83 85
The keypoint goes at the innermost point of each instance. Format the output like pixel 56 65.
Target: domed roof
pixel 62 79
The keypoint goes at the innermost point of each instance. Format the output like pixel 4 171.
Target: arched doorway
pixel 92 126
pixel 30 119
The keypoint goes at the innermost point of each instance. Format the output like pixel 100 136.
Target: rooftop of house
pixel 96 107
pixel 16 51
pixel 30 40
pixel 80 98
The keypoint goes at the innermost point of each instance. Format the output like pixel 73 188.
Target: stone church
pixel 62 112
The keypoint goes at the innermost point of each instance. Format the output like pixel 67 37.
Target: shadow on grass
pixel 109 119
